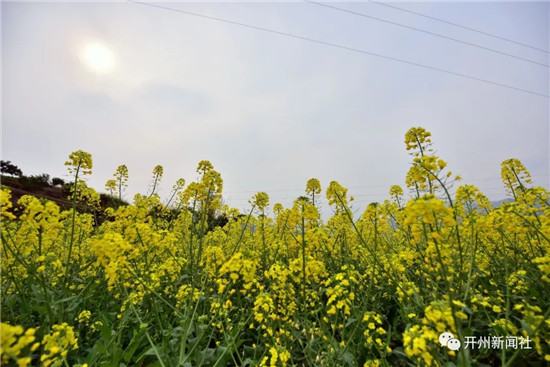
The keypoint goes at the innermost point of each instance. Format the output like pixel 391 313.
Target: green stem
pixel 73 219
pixel 303 260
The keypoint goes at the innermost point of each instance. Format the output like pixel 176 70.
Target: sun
pixel 98 57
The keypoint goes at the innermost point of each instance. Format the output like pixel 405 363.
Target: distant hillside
pixel 498 203
pixel 41 187
pixel 19 187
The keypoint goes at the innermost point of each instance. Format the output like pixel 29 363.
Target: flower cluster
pixel 189 281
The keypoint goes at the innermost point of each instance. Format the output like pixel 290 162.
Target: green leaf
pixel 350 321
pixel 133 346
pixel 66 299
pixel 348 358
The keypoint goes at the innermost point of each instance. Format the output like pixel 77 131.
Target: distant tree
pixel 42 179
pixel 10 169
pixel 36 181
pixel 56 181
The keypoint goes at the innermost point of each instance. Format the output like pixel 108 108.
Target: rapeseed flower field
pixel 156 285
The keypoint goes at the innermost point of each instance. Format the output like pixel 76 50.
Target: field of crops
pixel 160 284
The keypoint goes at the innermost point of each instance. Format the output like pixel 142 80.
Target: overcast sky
pixel 271 111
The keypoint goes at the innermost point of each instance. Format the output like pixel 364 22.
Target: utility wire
pixel 466 182
pixel 424 31
pixel 340 47
pixel 459 25
pixel 272 198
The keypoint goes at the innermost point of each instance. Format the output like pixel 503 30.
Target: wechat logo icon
pixel 448 340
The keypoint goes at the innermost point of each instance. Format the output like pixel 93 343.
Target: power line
pixel 424 31
pixel 272 198
pixel 497 178
pixel 463 181
pixel 340 47
pixel 357 197
pixel 296 190
pixel 459 25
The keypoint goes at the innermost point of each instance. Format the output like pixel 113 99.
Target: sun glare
pixel 98 57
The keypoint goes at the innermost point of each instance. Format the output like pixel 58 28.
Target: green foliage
pixel 10 169
pixel 204 285
pixel 35 182
pixel 56 181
